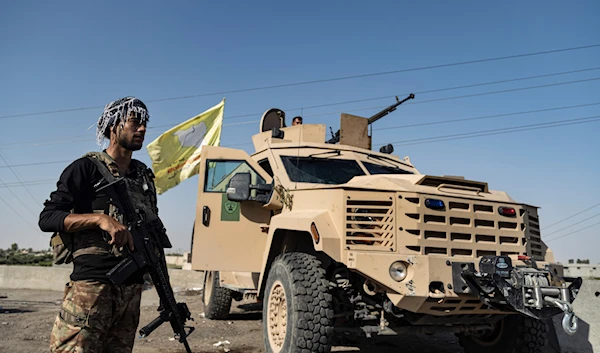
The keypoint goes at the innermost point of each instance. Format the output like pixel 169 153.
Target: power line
pixel 18 214
pixel 2 184
pixel 454 88
pixel 18 199
pixel 62 141
pixel 30 182
pixel 427 139
pixel 70 161
pixel 434 91
pixel 82 138
pixel 463 96
pixel 385 97
pixel 477 134
pixel 33 164
pixel 14 172
pixel 488 116
pixel 421 140
pixel 13 208
pixel 431 91
pixel 574 224
pixel 507 90
pixel 566 219
pixel 573 232
pixel 443 138
pixel 422 68
pixel 497 131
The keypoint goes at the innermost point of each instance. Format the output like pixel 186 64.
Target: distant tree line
pixel 16 256
pixel 586 261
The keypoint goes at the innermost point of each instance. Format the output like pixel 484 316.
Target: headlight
pixel 364 219
pixel 398 271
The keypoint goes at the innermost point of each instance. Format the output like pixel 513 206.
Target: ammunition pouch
pixel 68 246
pixel 62 248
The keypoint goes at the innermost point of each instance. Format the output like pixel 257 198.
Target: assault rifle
pixel 149 239
pixel 335 138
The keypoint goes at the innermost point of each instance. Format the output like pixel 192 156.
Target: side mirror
pixel 238 188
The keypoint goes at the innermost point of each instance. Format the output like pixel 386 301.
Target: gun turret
pixel 335 138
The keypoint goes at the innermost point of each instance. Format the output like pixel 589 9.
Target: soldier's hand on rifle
pixel 119 234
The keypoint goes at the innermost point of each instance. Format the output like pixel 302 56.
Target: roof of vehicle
pixel 311 136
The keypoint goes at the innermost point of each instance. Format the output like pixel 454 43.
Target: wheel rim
pixel 277 316
pixel 208 287
pixel 491 337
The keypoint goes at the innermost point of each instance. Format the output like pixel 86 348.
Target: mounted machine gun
pixel 353 129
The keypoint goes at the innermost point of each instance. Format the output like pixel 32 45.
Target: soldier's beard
pixel 130 144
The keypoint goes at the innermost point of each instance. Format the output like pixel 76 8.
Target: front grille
pixel 468 228
pixel 370 221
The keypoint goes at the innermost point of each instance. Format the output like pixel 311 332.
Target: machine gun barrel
pixel 389 109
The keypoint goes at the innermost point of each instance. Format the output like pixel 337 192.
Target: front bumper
pixel 531 291
pixel 442 286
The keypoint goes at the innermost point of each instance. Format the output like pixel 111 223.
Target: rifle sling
pixel 103 169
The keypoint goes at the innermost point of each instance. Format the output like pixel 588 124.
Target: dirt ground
pixel 26 318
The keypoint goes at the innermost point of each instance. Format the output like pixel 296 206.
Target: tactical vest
pixel 67 246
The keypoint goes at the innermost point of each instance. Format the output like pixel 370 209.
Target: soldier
pixel 96 315
pixel 297 121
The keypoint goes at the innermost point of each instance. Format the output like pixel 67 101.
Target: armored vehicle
pixel 333 237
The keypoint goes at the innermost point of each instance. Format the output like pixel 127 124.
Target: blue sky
pixel 72 54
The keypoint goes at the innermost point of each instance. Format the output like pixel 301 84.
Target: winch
pixel 528 290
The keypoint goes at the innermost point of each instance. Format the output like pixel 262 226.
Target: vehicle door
pixel 228 235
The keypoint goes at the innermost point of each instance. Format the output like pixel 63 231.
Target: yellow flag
pixel 175 154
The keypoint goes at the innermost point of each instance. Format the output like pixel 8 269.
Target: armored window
pixel 320 170
pixel 218 174
pixel 384 169
pixel 264 164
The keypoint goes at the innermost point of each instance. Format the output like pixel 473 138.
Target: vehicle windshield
pixel 321 170
pixel 383 169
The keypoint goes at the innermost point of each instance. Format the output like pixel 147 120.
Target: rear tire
pixel 297 308
pixel 216 299
pixel 513 334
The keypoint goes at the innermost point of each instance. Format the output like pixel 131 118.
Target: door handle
pixel 205 216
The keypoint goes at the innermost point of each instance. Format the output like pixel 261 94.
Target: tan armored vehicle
pixel 334 237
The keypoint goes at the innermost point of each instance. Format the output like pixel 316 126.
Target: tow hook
pixel 569 321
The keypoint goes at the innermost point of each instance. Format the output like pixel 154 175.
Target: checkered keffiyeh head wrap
pixel 117 112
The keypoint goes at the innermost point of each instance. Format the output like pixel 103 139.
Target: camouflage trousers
pixel 97 318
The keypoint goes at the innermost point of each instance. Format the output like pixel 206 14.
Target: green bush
pixel 10 257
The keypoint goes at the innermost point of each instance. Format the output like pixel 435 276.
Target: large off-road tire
pixel 513 334
pixel 297 308
pixel 216 299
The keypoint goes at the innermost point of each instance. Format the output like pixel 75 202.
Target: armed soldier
pixel 97 315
